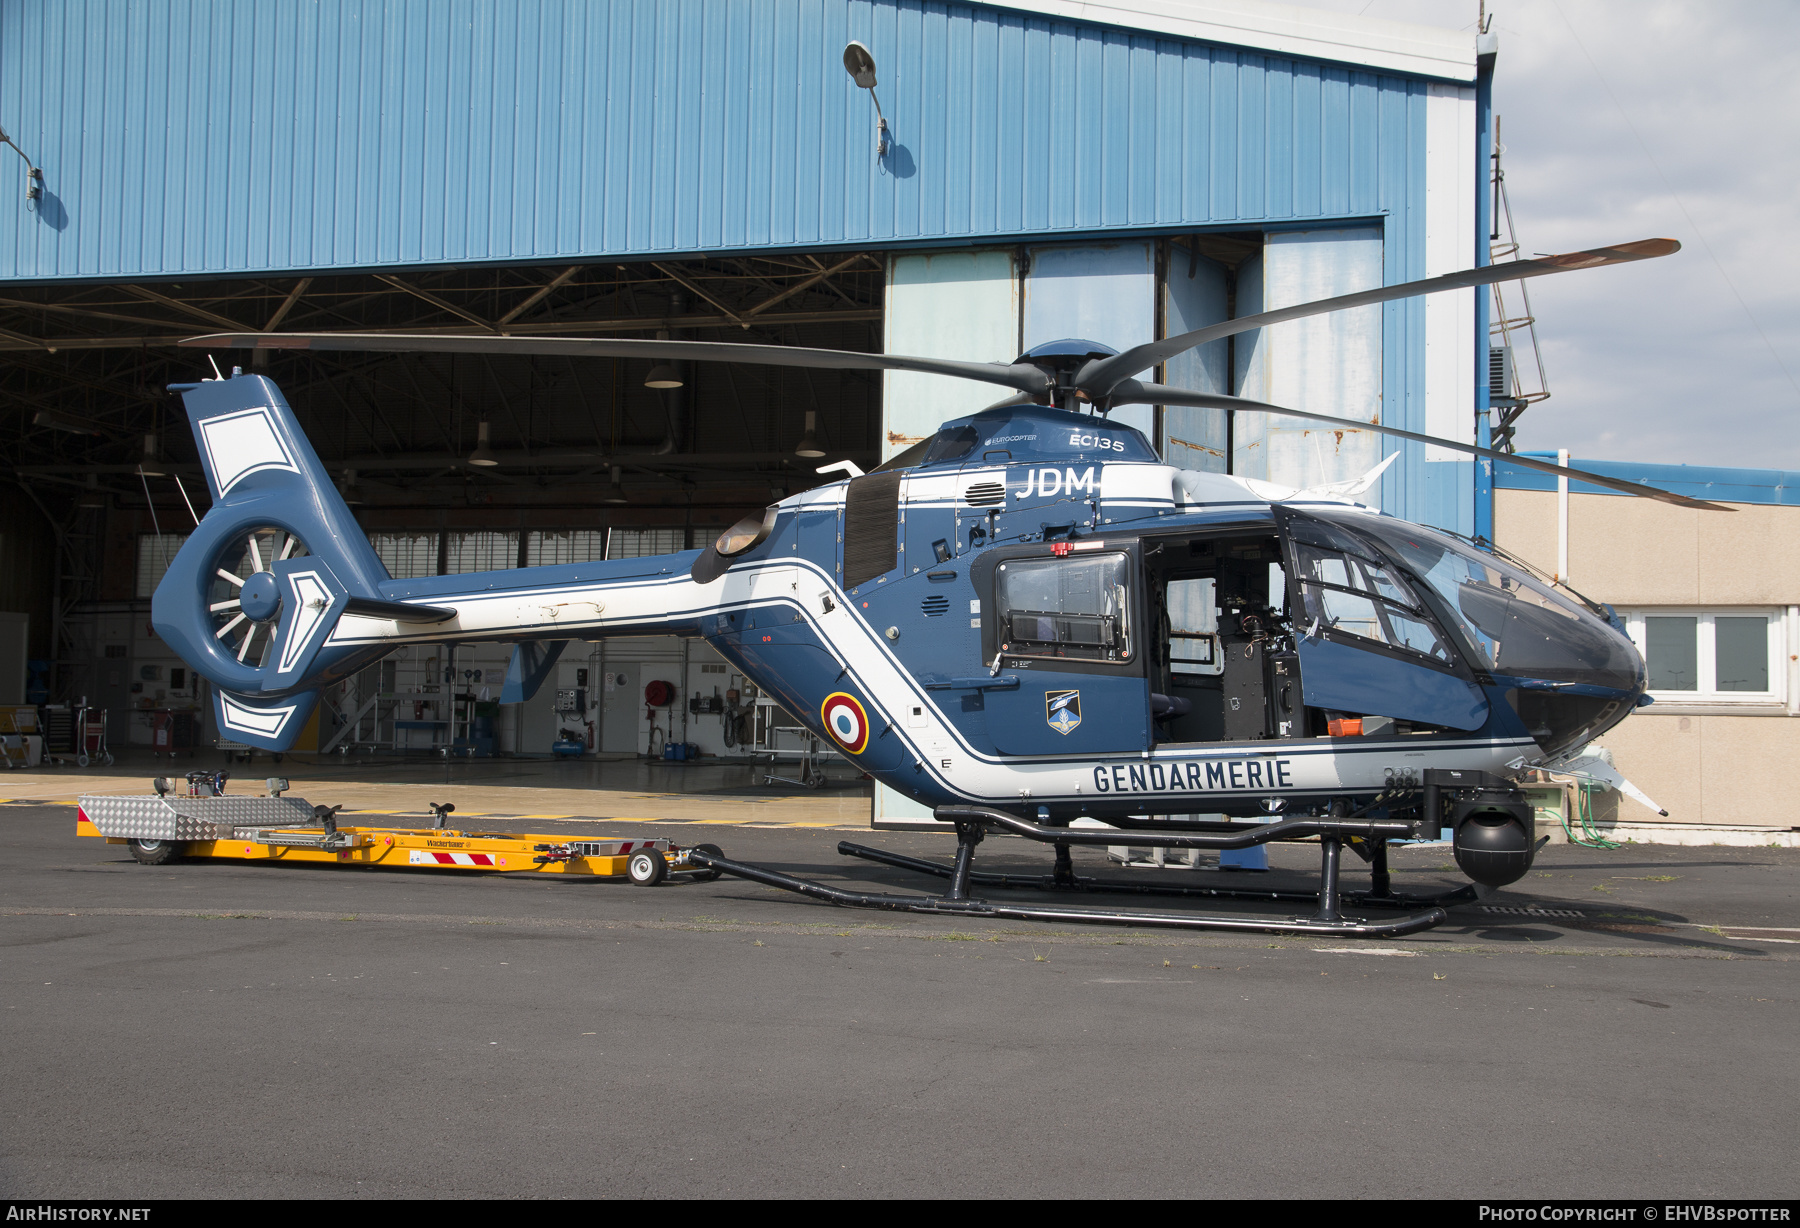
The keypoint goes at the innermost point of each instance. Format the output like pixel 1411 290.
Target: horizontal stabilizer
pixel 398 611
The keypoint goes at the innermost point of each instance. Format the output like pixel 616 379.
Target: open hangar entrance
pixel 452 463
pixel 457 463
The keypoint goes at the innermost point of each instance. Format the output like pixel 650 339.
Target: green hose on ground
pixel 1590 836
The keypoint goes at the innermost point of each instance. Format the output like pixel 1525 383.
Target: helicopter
pixel 1025 621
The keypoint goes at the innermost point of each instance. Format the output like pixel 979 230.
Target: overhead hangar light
pixel 663 376
pixel 809 444
pixel 60 422
pixel 150 466
pixel 483 455
pixel 616 492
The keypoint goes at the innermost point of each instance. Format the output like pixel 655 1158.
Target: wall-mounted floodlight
pixel 34 178
pixel 860 64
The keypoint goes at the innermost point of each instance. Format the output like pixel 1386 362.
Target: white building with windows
pixel 1712 600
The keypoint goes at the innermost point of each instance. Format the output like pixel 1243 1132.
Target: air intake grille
pixel 871 526
pixel 934 606
pixel 1500 372
pixel 985 494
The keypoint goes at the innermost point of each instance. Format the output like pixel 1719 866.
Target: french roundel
pixel 846 721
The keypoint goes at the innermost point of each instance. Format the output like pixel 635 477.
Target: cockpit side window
pixel 1345 594
pixel 1072 608
pixel 950 443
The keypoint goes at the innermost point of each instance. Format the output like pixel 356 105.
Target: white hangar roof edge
pixel 1395 46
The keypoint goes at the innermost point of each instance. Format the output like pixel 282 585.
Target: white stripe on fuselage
pixel 642 604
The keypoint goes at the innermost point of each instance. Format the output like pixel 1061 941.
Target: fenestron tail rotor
pixel 244 599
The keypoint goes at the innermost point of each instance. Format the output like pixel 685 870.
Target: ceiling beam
pixel 541 293
pixel 676 276
pixel 287 304
pixel 627 324
pixel 435 301
pixel 175 304
pixel 798 287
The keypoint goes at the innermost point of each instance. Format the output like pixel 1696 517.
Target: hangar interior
pixel 476 462
pixel 586 168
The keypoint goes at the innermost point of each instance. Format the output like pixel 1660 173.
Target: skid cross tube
pixel 1263 833
pixel 1081 882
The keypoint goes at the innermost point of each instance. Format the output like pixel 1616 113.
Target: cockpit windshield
pixel 1513 622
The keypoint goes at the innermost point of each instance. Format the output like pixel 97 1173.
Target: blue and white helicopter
pixel 1027 620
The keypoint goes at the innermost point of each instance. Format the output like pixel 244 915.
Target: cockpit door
pixel 1065 631
pixel 1368 644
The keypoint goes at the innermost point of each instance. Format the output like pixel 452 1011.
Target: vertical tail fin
pixel 256 626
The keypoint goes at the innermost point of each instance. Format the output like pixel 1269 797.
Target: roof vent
pixel 985 494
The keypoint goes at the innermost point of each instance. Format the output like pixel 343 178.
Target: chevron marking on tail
pixel 313 597
pixel 244 443
pixel 266 722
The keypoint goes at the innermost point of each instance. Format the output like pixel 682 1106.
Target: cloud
pixel 1626 120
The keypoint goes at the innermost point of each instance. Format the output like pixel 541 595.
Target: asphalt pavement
pixel 1619 1025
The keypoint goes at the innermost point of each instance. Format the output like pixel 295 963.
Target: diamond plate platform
pixel 191 818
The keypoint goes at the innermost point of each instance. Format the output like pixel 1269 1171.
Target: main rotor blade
pixel 1099 377
pixel 1131 392
pixel 1022 376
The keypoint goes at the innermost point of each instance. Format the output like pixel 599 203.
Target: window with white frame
pixel 155 552
pixel 407 556
pixel 636 543
pixel 1713 656
pixel 546 547
pixel 481 551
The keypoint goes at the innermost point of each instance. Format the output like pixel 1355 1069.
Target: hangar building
pixel 1116 171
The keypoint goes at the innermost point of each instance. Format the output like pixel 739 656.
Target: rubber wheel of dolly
pixel 815 781
pixel 154 852
pixel 708 874
pixel 647 868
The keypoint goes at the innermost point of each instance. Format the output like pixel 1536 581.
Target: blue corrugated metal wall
pixel 190 137
pixel 215 136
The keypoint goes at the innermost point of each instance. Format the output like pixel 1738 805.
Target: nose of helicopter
pixel 1569 673
pixel 1566 668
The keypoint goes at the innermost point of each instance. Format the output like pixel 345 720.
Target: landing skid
pixel 1382 897
pixel 971 828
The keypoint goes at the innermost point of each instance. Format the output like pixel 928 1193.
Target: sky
pixel 1628 119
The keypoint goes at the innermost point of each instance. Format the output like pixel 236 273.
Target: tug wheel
pixel 154 852
pixel 647 868
pixel 708 874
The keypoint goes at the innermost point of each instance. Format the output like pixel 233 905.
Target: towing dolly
pixel 165 827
